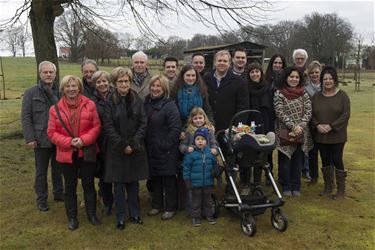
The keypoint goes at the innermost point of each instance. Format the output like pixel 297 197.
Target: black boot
pixel 73 224
pixel 90 202
pixel 340 182
pixel 328 180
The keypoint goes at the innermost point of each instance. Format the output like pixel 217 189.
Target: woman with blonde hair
pixel 162 139
pixel 74 127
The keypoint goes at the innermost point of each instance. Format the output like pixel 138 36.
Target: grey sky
pixel 359 13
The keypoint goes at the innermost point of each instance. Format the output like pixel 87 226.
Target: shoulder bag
pixel 89 151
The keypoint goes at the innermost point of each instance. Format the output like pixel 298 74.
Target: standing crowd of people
pixel 129 125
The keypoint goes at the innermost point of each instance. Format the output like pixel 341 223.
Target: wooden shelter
pixel 254 51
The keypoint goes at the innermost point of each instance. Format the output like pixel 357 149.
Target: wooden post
pixel 3 77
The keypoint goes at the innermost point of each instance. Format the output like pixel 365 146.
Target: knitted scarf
pixel 292 93
pixel 188 97
pixel 140 78
pixel 73 113
pixel 260 95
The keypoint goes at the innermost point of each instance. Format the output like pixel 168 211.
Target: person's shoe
pixel 107 210
pixel 120 225
pixel 167 215
pixel 211 220
pixel 43 207
pixel 296 193
pixel 82 204
pixel 136 220
pixel 196 222
pixel 153 212
pixel 59 197
pixel 94 220
pixel 306 175
pixel 73 224
pixel 287 193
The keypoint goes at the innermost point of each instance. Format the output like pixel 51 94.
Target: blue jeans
pixel 132 201
pixel 290 170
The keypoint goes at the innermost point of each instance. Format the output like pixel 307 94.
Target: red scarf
pixel 73 113
pixel 292 93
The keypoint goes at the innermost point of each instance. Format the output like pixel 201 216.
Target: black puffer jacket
pixel 124 124
pixel 162 136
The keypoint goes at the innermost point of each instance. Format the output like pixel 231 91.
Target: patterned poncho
pixel 291 113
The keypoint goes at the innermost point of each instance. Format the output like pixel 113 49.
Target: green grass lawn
pixel 314 222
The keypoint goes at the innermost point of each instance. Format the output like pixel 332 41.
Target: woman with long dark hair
pixel 189 92
pixel 274 69
pixel 293 113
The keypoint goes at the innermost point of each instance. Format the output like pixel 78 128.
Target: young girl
pixel 197 172
pixel 197 119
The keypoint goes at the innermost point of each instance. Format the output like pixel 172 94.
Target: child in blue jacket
pixel 198 175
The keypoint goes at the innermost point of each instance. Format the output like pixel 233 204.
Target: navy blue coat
pixel 198 167
pixel 162 137
pixel 226 100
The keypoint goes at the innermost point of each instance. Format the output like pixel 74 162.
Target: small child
pixel 198 169
pixel 197 119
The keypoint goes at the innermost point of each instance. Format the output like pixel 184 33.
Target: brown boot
pixel 328 181
pixel 340 182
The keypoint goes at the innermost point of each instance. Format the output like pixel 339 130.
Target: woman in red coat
pixel 72 126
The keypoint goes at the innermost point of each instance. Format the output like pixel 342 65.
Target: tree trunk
pixel 42 18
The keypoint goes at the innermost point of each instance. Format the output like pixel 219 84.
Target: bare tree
pixel 100 44
pixel 11 40
pixel 23 37
pixel 212 13
pixel 69 31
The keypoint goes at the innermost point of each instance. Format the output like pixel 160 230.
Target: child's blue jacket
pixel 198 167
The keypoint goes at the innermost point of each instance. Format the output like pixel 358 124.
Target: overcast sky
pixel 359 13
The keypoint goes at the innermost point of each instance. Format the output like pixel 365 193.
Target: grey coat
pixel 35 111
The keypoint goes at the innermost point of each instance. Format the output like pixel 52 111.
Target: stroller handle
pixel 247 111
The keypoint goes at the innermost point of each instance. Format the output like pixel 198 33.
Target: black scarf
pixel 52 98
pixel 260 95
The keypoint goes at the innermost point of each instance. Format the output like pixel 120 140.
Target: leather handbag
pixel 287 139
pixel 89 151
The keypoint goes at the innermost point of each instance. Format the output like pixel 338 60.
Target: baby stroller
pixel 255 147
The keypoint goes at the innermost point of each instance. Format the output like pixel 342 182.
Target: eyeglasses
pixel 300 58
pixel 123 81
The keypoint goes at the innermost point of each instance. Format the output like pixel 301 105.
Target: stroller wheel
pixel 215 206
pixel 279 220
pixel 248 225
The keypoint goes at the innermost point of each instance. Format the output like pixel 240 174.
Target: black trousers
pixel 201 199
pixel 313 162
pixel 332 154
pixel 164 187
pixel 42 158
pixel 87 172
pixel 105 189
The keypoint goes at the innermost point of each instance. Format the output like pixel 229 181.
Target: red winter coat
pixel 89 128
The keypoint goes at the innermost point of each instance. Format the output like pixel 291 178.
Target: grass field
pixel 314 222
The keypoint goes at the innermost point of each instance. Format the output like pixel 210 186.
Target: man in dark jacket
pixel 227 92
pixel 88 68
pixel 36 103
pixel 239 62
